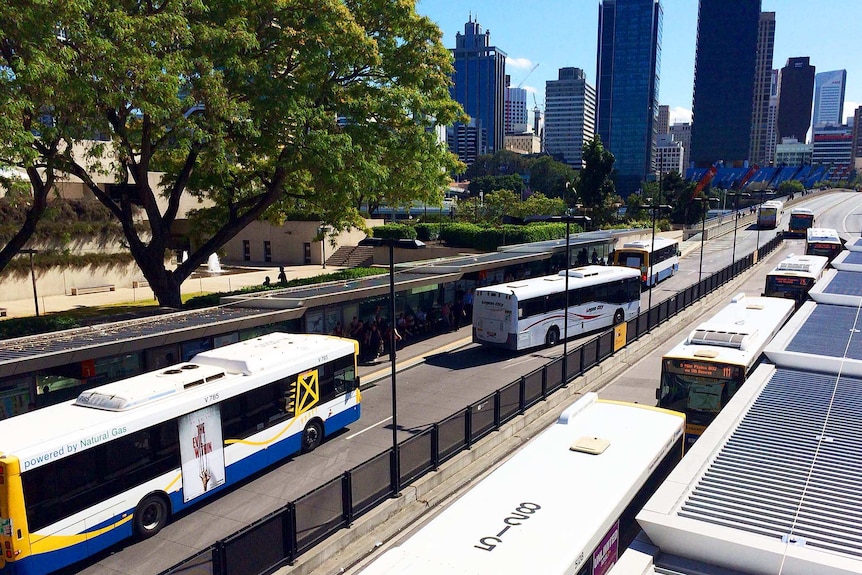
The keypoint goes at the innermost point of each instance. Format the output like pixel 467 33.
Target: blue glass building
pixel 628 64
pixel 724 74
pixel 479 84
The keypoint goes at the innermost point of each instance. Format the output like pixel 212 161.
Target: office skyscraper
pixel 663 120
pixel 762 84
pixel 516 109
pixel 725 61
pixel 479 82
pixel 628 64
pixel 570 115
pixel 829 98
pixel 795 92
pixel 772 120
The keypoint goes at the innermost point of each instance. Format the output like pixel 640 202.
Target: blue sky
pixel 559 33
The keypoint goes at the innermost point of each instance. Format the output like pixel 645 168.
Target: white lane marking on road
pixel 372 426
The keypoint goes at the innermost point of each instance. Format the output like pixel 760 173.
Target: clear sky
pixel 559 33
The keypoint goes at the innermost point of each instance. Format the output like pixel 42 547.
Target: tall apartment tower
pixel 724 66
pixel 662 120
pixel 681 133
pixel 762 85
pixel 515 109
pixel 570 115
pixel 479 82
pixel 628 64
pixel 772 120
pixel 795 92
pixel 829 98
pixel 856 152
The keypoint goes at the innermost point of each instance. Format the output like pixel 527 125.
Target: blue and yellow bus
pixel 120 459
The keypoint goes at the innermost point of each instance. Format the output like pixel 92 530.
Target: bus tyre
pixel 151 515
pixel 553 337
pixel 619 317
pixel 312 436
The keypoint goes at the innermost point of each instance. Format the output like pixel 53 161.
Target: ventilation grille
pixel 794 267
pixel 734 339
pixel 756 484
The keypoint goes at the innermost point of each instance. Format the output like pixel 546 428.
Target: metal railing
pixel 284 535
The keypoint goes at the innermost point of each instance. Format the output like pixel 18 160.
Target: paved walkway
pixel 205 283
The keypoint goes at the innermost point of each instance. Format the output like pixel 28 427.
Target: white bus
pixel 769 214
pixel 655 263
pixel 79 476
pixel 703 372
pixel 823 242
pixel 527 313
pixel 794 276
pixel 563 504
pixel 800 220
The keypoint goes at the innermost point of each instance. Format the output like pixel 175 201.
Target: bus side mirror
pixel 658 393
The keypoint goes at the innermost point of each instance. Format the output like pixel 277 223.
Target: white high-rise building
pixel 516 109
pixel 829 98
pixel 681 133
pixel 669 155
pixel 570 115
pixel 772 121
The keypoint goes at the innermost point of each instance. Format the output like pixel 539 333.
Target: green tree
pixel 595 188
pixel 487 184
pixel 788 187
pixel 502 163
pixel 257 107
pixel 550 177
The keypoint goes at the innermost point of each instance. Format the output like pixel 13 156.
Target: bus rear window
pixel 630 259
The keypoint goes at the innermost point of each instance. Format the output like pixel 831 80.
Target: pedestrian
pixel 595 257
pixel 266 282
pixel 282 277
pixel 468 306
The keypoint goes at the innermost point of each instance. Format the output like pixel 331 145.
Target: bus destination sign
pixel 701 368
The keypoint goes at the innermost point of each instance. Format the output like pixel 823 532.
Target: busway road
pixel 442 382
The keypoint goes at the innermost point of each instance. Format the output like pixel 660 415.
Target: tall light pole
pixel 702 200
pixel 32 277
pixel 652 208
pixel 568 218
pixel 323 230
pixel 736 196
pixel 395 470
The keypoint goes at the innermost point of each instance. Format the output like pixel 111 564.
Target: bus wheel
pixel 312 436
pixel 553 337
pixel 619 317
pixel 151 515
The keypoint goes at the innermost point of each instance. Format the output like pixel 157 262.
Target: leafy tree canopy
pixel 595 188
pixel 257 107
pixel 487 184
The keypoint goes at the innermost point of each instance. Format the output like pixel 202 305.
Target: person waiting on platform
pixel 282 277
pixel 266 282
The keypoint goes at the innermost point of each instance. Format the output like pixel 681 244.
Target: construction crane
pixel 528 74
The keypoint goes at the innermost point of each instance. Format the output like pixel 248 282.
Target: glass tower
pixel 479 82
pixel 829 98
pixel 628 63
pixel 724 69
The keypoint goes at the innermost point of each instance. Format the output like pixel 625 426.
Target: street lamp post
pixel 736 196
pixel 323 230
pixel 32 277
pixel 653 209
pixel 568 218
pixel 702 200
pixel 395 475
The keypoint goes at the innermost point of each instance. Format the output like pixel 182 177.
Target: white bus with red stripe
pixel 527 313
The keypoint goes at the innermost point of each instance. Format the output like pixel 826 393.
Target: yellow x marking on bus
pixel 307 391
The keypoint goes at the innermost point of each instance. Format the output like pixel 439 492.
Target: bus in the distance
pixel 120 459
pixel 769 214
pixel 527 313
pixel 823 242
pixel 563 504
pixel 800 220
pixel 703 372
pixel 794 276
pixel 654 262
